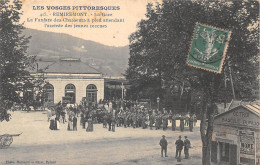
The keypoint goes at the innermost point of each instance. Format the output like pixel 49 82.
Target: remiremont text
pixel 76 7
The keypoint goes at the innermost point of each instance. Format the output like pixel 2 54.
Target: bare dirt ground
pixel 40 145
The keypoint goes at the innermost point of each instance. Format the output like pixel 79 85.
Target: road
pixel 39 145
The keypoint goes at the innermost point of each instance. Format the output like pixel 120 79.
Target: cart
pixel 6 140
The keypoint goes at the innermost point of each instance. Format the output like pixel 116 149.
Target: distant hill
pixel 109 60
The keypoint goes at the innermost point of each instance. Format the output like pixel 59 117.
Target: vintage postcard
pixel 105 82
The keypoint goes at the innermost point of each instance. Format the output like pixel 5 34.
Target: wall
pixel 80 84
pixel 229 134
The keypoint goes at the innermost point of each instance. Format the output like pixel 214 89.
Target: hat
pixel 185 136
pixel 163 135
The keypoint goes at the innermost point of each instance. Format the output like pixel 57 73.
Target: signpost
pixel 208 48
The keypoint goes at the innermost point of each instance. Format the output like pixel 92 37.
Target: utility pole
pixel 225 97
pixel 231 81
pixel 160 53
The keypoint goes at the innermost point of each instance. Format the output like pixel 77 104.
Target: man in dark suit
pixel 186 147
pixel 179 146
pixel 163 143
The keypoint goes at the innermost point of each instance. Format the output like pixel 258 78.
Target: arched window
pixel 48 91
pixel 70 91
pixel 91 93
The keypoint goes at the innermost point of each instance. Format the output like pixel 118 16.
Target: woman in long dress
pixel 74 123
pixel 52 123
pixel 90 125
pixel 57 123
pixel 69 123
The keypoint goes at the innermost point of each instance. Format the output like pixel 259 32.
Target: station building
pixel 70 78
pixel 236 136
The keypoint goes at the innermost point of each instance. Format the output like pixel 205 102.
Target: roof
pixel 68 65
pixel 231 105
pixel 242 116
pixel 254 108
pixel 236 103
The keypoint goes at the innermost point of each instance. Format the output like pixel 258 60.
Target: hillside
pixel 111 61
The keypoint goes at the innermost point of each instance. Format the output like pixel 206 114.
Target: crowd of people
pixel 120 114
pixel 117 114
pixel 70 113
pixel 144 118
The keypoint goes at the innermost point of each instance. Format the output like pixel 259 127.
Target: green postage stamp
pixel 208 48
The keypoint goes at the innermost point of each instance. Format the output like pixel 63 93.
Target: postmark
pixel 208 48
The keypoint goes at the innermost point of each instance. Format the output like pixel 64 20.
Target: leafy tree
pixel 14 61
pixel 164 37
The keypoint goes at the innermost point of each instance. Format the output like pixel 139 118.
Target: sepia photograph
pixel 129 82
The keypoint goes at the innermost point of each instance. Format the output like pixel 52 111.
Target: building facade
pixel 70 78
pixel 236 136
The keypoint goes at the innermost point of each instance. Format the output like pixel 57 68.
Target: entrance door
pixel 91 93
pixel 224 151
pixel 70 91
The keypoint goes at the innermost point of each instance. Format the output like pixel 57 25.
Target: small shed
pixel 236 135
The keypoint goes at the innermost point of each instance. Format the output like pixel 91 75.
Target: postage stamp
pixel 208 48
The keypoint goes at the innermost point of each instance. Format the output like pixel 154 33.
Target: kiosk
pixel 235 138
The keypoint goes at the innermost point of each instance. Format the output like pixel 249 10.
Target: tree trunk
pixel 206 155
pixel 206 130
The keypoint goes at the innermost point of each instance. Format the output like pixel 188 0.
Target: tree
pixel 149 63
pixel 14 61
pixel 166 34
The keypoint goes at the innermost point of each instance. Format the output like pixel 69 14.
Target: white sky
pixel 116 34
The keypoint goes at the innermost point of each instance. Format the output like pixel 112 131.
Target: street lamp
pixel 122 91
pixel 158 103
pixel 160 53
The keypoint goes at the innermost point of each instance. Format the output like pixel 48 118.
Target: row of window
pixel 70 87
pixel 70 91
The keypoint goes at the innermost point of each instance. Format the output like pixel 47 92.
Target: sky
pixel 115 34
